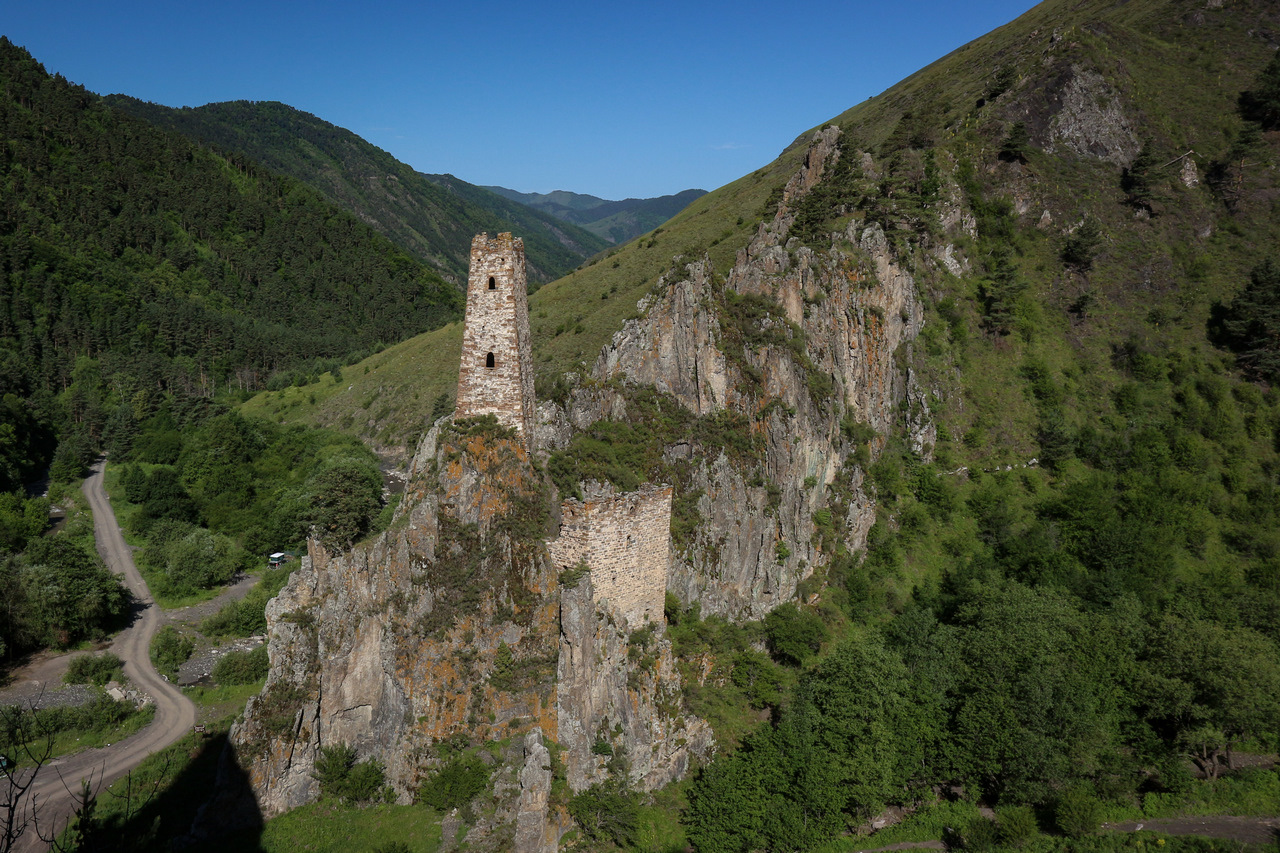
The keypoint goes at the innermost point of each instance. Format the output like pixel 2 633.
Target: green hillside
pixel 1069 606
pixel 1177 72
pixel 432 216
pixel 615 221
pixel 390 398
pixel 136 264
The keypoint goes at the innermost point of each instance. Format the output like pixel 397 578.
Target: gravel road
pixel 175 714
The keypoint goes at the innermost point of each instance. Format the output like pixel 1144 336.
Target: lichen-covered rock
pixel 444 625
pixel 450 627
pixel 534 834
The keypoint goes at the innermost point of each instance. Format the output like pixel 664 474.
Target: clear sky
pixel 612 99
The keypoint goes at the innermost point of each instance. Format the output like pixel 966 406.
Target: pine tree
pixel 1251 324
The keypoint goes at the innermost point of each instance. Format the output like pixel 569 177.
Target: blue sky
pixel 616 100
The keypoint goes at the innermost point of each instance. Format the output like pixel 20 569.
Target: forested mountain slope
pixel 432 216
pixel 615 221
pixel 992 361
pixel 134 262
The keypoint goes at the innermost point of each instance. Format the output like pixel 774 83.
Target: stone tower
pixel 496 374
pixel 625 540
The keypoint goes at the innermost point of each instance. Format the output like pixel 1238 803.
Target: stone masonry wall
pixel 497 325
pixel 625 539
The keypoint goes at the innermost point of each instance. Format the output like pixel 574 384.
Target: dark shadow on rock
pixel 208 806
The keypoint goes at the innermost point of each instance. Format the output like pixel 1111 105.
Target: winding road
pixel 175 714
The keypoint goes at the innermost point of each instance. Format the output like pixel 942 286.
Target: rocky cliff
pixel 799 341
pixel 451 631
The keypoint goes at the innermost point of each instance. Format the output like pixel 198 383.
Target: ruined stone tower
pixel 496 374
pixel 624 539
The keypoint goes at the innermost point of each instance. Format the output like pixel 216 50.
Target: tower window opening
pixel 488 359
pixel 493 285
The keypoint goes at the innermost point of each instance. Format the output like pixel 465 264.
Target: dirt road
pixel 175 714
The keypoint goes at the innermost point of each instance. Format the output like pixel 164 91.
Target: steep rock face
pixel 533 832
pixel 452 627
pixel 617 685
pixel 852 306
pixel 444 625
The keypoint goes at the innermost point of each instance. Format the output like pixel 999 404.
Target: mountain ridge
pixel 432 216
pixel 615 221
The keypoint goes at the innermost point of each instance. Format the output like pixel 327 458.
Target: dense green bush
pixel 94 669
pixel 345 498
pixel 758 678
pixel 1077 813
pixel 201 559
pixel 341 776
pixel 981 834
pixel 66 592
pixel 170 650
pixel 608 812
pixel 1017 825
pixel 793 634
pixel 455 784
pixel 22 519
pixel 242 667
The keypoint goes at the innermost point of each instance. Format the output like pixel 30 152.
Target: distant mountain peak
pixel 615 221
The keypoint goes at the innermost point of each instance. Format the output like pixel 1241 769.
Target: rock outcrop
pixel 457 628
pixel 395 646
pixel 852 306
pixel 452 628
pixel 619 698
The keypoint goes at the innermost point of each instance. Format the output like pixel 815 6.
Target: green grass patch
pixel 390 398
pixel 329 827
pixel 218 702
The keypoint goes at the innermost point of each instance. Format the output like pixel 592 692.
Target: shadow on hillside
pixel 208 805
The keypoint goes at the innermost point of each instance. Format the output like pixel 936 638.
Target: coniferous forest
pixel 135 264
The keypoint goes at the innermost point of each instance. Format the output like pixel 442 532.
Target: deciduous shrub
pixel 455 784
pixel 94 669
pixel 1078 813
pixel 608 811
pixel 242 667
pixel 170 650
pixel 341 776
pixel 1016 825
pixel 794 634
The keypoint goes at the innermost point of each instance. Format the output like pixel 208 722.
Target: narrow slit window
pixel 488 360
pixel 493 285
